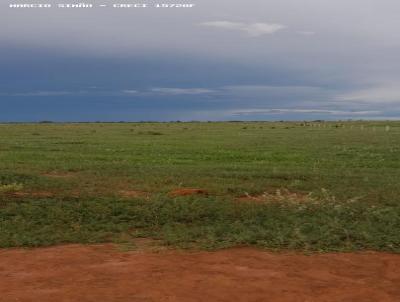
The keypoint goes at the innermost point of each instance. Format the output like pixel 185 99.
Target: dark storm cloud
pixel 253 59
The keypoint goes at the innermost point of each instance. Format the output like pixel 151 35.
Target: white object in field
pixel 387 128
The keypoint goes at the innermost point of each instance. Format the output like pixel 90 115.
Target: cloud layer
pixel 220 60
pixel 252 29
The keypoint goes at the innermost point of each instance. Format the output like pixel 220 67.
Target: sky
pixel 220 60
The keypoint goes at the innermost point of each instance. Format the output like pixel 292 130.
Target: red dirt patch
pixel 56 174
pixel 38 194
pixel 187 192
pixel 103 273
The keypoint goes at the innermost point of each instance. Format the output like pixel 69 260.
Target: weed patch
pixel 204 223
pixel 13 187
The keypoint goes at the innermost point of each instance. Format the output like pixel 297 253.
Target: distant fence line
pixel 386 128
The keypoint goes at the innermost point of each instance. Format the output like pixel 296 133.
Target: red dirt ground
pixel 39 194
pixel 187 192
pixel 103 273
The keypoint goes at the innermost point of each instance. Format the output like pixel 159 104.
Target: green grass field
pixel 308 186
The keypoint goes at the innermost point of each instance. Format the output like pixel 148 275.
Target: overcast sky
pixel 221 60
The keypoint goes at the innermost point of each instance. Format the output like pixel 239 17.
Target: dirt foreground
pixel 104 273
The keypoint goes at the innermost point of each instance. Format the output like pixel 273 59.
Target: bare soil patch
pixel 58 174
pixel 187 192
pixel 35 194
pixel 104 273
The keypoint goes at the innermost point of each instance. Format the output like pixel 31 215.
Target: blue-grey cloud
pixel 332 59
pixel 307 111
pixel 130 92
pixel 37 93
pixel 375 94
pixel 181 91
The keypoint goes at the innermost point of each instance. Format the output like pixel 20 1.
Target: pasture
pixel 321 186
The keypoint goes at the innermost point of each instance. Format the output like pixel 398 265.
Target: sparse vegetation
pixel 203 222
pixel 310 186
pixel 12 187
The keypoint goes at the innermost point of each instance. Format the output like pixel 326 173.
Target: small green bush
pixel 13 187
